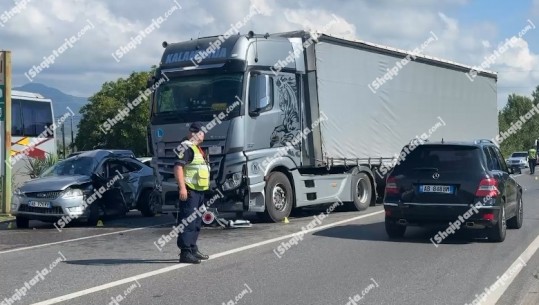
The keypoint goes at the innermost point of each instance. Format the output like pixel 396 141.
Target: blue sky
pixel 467 30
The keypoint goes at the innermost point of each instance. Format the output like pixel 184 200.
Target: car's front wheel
pixel 93 217
pixel 148 203
pixel 22 222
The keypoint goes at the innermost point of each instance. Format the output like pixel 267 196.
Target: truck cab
pixel 247 97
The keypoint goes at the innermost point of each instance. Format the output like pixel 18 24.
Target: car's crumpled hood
pixel 58 183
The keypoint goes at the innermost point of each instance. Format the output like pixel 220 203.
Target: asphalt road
pixel 345 255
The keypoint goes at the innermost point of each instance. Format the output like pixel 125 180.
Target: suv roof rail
pixel 412 140
pixel 479 141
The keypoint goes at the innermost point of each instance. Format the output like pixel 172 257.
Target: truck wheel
pixel 22 222
pixel 148 203
pixel 361 191
pixel 279 197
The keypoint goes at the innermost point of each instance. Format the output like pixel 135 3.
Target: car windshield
pixel 442 158
pixel 519 155
pixel 200 96
pixel 71 167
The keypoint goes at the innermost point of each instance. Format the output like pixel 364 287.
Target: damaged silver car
pixel 87 187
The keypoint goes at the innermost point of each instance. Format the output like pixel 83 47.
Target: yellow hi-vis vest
pixel 196 173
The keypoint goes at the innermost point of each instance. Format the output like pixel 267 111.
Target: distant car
pixel 518 159
pixel 440 181
pixel 65 188
pixel 146 160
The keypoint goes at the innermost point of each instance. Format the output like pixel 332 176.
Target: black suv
pixel 439 183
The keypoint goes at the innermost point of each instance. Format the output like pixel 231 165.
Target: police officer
pixel 532 159
pixel 192 174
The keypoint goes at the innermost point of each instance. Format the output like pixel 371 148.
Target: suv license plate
pixel 39 204
pixel 446 189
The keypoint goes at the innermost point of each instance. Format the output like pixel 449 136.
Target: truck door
pixel 274 113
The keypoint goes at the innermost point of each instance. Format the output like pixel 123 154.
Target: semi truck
pixel 299 119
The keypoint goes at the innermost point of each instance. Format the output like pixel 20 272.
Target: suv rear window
pixel 442 157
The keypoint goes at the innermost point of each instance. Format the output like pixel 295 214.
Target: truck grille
pixel 166 167
pixel 166 162
pixel 53 210
pixel 44 195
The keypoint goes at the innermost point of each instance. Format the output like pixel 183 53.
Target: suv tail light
pixel 487 187
pixel 391 186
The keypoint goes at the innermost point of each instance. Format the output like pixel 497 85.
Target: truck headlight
pixel 72 193
pixel 232 182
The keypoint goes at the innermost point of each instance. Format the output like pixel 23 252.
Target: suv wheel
pixel 497 233
pixel 22 222
pixel 516 221
pixel 393 229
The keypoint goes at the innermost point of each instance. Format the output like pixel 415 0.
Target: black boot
pixel 187 257
pixel 200 255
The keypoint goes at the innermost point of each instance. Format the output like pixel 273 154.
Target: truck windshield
pixel 199 97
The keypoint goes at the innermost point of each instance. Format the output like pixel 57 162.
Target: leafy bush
pixel 35 167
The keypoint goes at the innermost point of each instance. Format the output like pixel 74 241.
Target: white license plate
pixel 215 150
pixel 39 204
pixel 447 189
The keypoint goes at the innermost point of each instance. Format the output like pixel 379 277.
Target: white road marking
pixel 77 239
pixel 178 266
pixel 511 274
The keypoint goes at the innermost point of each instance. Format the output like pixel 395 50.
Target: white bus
pixel 32 117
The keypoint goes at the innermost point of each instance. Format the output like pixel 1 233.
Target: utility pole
pixel 64 140
pixel 5 131
pixel 72 144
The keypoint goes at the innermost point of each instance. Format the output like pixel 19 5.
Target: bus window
pixel 36 116
pixel 16 121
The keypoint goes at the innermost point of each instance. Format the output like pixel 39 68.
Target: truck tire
pixel 22 222
pixel 279 197
pixel 361 191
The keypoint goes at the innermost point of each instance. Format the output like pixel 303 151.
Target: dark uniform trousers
pixel 188 239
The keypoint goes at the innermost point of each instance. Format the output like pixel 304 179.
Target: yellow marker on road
pixel 285 220
pixel 99 223
pixel 10 225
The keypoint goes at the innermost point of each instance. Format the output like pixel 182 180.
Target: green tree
pixel 128 133
pixel 516 107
